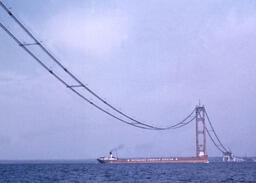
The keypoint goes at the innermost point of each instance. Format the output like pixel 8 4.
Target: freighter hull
pixel 155 160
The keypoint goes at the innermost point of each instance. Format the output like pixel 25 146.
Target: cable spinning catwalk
pixel 122 117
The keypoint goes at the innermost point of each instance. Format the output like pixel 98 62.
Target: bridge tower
pixel 200 132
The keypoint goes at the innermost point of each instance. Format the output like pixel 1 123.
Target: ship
pixel 201 155
pixel 115 160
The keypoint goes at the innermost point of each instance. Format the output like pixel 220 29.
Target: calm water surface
pixel 94 172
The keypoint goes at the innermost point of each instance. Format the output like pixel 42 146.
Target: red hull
pixel 155 160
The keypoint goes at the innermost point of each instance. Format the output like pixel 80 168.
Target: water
pixel 93 172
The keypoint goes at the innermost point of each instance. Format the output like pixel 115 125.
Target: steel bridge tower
pixel 200 132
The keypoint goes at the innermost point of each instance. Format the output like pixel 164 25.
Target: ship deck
pixel 203 159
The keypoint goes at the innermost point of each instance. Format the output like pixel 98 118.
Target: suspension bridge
pixel 199 114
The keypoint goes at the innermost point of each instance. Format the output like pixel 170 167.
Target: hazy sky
pixel 153 59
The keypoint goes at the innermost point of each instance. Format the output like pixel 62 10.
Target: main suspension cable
pixel 139 123
pixel 213 140
pixel 215 134
pixel 80 82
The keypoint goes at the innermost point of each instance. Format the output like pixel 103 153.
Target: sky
pixel 152 59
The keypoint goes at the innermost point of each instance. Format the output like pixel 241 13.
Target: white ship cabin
pixel 201 154
pixel 110 157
